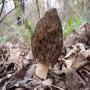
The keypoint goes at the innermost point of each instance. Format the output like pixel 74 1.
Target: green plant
pixel 28 39
pixel 19 30
pixel 68 27
pixel 73 23
pixel 29 32
pixel 3 39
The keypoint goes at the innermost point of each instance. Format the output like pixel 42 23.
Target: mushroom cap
pixel 47 39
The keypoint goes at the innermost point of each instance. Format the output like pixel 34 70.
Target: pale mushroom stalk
pixel 42 70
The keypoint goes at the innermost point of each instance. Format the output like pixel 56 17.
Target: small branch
pixel 38 8
pixel 3 3
pixel 11 11
pixel 80 77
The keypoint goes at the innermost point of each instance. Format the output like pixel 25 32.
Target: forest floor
pixel 71 72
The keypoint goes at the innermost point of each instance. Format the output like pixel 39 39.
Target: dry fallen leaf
pixel 47 82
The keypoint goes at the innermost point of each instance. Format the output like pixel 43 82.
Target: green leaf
pixel 67 31
pixel 77 20
pixel 28 39
pixel 68 28
pixel 69 22
pixel 30 24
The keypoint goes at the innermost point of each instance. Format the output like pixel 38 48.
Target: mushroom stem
pixel 41 70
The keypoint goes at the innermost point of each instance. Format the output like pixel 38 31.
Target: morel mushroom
pixel 47 42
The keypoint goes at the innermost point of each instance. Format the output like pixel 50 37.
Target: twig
pixel 11 11
pixel 3 3
pixel 57 87
pixel 4 87
pixel 38 8
pixel 80 77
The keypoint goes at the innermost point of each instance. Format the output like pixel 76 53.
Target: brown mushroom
pixel 47 42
